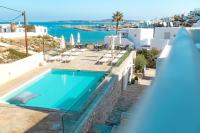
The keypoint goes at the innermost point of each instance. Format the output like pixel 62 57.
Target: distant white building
pixel 41 30
pixel 165 36
pixel 6 32
pixel 4 28
pixel 19 30
pixel 136 37
pixel 197 24
pixel 195 11
pixel 146 38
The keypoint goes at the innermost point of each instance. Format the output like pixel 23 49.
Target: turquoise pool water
pixel 66 90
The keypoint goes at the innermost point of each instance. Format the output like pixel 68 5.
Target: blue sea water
pixel 56 29
pixel 60 89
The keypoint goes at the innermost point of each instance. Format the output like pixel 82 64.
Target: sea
pixel 57 29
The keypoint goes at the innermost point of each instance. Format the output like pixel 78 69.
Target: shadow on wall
pixel 195 35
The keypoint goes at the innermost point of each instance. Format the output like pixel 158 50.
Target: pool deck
pixel 18 119
pixel 85 61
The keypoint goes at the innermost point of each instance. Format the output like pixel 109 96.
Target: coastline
pixel 84 28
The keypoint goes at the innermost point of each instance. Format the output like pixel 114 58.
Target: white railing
pixel 12 70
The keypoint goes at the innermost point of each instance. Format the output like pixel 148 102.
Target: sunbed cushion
pixel 23 97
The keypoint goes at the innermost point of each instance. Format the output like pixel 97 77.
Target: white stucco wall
pixel 195 34
pixel 160 32
pixel 160 39
pixel 159 43
pixel 146 34
pixel 41 30
pixel 12 70
pixel 5 28
pixel 140 36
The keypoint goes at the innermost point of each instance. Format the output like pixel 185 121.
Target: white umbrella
pixel 78 38
pixel 71 41
pixel 120 38
pixel 62 42
pixel 113 44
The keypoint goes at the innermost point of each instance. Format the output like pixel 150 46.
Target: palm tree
pixel 117 17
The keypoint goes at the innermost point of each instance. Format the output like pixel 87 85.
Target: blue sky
pixel 47 10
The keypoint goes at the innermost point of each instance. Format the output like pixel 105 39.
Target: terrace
pixel 34 120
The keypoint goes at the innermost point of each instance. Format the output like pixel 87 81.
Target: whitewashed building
pixel 19 30
pixel 135 37
pixel 41 30
pixel 4 28
pixel 197 24
pixel 6 32
pixel 165 36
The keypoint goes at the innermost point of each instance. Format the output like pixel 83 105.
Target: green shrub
pixel 15 55
pixel 136 78
pixel 68 47
pixel 119 62
pixel 140 62
pixel 30 28
pixel 150 56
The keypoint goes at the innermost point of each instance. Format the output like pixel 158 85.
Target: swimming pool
pixel 66 90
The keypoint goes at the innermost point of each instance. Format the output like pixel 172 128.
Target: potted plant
pixel 136 79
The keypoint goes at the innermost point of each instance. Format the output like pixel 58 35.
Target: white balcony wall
pixel 12 70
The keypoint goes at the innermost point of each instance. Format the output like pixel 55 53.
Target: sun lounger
pixel 119 55
pixel 115 61
pixel 54 58
pixel 73 50
pixel 103 60
pixel 82 50
pixel 66 59
pixel 110 52
pixel 108 56
pixel 122 52
pixel 75 53
pixel 66 53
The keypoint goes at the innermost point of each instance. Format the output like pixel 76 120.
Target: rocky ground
pixel 14 49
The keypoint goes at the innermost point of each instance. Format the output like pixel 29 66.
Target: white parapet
pixel 10 71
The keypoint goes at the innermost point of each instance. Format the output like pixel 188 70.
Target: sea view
pixel 56 29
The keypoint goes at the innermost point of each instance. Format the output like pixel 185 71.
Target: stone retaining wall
pixel 103 104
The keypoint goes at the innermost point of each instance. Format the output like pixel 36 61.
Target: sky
pixel 52 10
